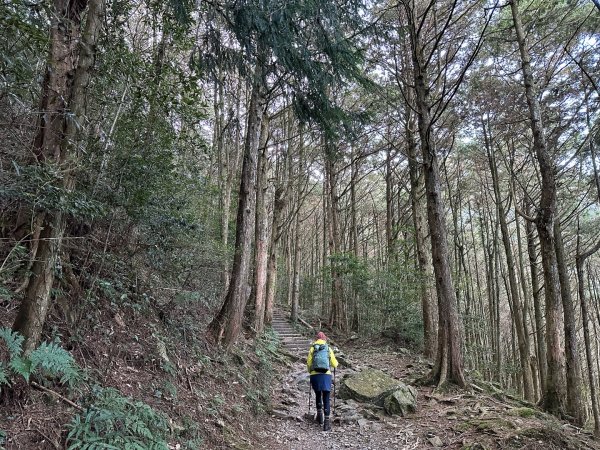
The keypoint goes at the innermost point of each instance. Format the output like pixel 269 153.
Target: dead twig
pixel 56 394
pixel 55 444
pixel 187 375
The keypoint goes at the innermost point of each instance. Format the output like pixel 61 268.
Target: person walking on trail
pixel 319 362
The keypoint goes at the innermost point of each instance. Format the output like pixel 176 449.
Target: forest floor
pixel 257 396
pixel 458 420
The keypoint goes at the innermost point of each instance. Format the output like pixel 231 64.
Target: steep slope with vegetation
pixel 421 172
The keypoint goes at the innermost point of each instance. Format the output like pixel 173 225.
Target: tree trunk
pixel 261 249
pixel 417 193
pixel 297 241
pixel 336 315
pixel 554 397
pixel 575 400
pixel 585 318
pixel 63 104
pixel 226 325
pixel 516 307
pixel 389 211
pixel 355 322
pixel 449 364
pixel 282 193
pixel 296 270
pixel 537 301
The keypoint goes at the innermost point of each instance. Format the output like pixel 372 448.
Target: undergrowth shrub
pixel 114 422
pixel 47 361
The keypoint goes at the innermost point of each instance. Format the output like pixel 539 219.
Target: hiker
pixel 319 362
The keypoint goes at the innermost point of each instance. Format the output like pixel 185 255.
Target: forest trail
pixel 456 420
pixel 291 340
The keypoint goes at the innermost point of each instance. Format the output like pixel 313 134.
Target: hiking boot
pixel 320 416
pixel 326 424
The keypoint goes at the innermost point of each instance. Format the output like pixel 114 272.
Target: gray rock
pixel 436 442
pixel 369 385
pixel 280 414
pixel 402 401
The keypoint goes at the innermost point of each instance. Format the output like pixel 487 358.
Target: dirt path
pixel 467 421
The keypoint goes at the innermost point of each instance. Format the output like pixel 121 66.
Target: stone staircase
pixel 291 339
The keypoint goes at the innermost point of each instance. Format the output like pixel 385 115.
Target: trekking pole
pixel 309 396
pixel 334 383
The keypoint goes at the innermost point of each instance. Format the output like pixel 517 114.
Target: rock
pixel 280 414
pixel 525 412
pixel 161 349
pixel 475 446
pixel 376 427
pixel 368 414
pixel 402 401
pixel 302 380
pixel 369 385
pixel 489 424
pixel 343 359
pixel 346 412
pixel 289 402
pixel 362 425
pixel 436 441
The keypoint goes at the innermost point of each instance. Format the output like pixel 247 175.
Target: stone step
pixel 297 345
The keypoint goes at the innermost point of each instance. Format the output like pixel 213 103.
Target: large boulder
pixel 369 386
pixel 402 401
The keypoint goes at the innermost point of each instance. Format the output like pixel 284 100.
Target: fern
pixel 47 360
pixel 21 366
pixel 4 379
pixel 54 361
pixel 13 340
pixel 115 422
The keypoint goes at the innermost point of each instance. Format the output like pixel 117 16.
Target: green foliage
pixel 22 42
pixel 112 421
pixel 386 298
pixel 52 360
pixel 310 49
pixel 41 188
pixel 13 341
pixel 48 360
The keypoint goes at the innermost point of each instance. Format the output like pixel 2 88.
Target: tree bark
pixel 296 270
pixel 537 301
pixel 261 248
pixel 554 397
pixel 355 321
pixel 282 193
pixel 68 73
pixel 426 279
pixel 226 325
pixel 585 319
pixel 389 210
pixel 336 314
pixel 449 364
pixel 516 307
pixel 297 241
pixel 575 400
